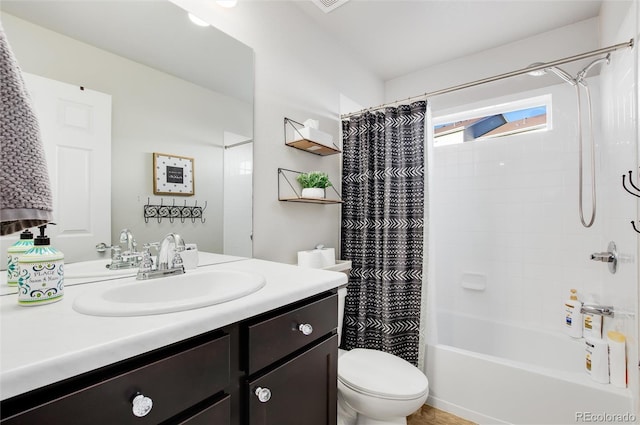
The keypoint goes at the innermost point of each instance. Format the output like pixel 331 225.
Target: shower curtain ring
pixel 634 226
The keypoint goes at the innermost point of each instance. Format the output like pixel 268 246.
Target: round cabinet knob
pixel 141 405
pixel 305 328
pixel 263 394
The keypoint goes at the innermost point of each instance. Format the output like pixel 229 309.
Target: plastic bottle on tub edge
pixel 617 358
pixel 597 359
pixel 572 315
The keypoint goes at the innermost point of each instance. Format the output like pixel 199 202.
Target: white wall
pixel 618 22
pixel 300 73
pixel 152 112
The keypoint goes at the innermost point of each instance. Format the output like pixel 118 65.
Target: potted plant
pixel 313 184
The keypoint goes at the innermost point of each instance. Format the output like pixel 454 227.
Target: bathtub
pixel 490 372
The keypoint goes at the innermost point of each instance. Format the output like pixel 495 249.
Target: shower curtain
pixel 383 189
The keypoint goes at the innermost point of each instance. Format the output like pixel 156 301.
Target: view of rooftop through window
pixel 491 125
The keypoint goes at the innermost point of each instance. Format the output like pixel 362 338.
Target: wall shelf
pixel 287 191
pixel 311 140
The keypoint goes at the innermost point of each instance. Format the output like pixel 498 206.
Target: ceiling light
pixel 227 3
pixel 198 21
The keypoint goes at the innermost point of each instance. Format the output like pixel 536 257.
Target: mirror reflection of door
pixel 75 126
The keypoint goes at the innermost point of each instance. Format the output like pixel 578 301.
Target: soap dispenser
pixel 41 278
pixel 14 252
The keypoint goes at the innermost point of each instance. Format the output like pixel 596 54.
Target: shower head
pixel 558 71
pixel 583 74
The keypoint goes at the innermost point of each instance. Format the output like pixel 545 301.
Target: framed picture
pixel 172 175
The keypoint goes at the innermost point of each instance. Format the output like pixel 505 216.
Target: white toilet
pixel 374 387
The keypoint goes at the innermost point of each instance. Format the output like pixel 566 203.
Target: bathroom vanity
pixel 267 358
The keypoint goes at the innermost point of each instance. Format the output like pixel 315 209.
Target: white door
pixel 75 124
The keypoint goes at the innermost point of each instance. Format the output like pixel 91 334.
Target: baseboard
pixel 462 412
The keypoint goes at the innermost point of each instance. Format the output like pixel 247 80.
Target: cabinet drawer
pixel 276 337
pixel 301 391
pixel 174 383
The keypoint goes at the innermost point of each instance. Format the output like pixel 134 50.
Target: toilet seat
pixel 381 375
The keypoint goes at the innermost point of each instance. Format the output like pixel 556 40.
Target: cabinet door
pixel 302 391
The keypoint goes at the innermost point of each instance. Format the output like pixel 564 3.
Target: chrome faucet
pixel 601 310
pixel 126 237
pixel 127 259
pixel 165 266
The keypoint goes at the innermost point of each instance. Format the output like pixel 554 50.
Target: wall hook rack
pixel 635 193
pixel 624 185
pixel 173 211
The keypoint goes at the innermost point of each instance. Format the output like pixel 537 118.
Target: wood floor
pixel 431 416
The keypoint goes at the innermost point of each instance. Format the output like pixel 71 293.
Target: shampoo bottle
pixel 617 358
pixel 597 359
pixel 14 252
pixel 572 315
pixel 592 323
pixel 41 278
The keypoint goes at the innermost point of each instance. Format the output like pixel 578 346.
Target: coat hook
pixel 631 182
pixel 624 186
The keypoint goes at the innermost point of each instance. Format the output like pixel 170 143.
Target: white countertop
pixel 44 344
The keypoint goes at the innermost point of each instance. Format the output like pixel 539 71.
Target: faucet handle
pixel 102 247
pixel 177 259
pixel 116 253
pixel 146 264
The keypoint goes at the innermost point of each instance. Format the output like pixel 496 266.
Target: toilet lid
pixel 381 374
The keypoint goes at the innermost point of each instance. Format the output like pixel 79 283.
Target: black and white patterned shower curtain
pixel 383 228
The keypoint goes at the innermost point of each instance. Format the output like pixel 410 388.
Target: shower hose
pixel 583 83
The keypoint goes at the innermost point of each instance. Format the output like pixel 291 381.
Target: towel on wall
pixel 25 194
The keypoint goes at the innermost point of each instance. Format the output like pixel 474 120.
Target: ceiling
pixel 396 37
pixel 392 38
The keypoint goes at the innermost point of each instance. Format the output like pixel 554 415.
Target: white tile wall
pixel 508 208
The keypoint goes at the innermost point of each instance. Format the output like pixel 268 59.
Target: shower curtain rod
pixel 526 70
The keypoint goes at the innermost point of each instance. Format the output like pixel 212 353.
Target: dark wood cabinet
pixel 209 379
pixel 303 390
pixel 172 381
pixel 292 365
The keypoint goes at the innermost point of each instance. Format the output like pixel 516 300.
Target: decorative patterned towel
pixel 25 194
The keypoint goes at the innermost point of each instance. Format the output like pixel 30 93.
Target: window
pixel 494 121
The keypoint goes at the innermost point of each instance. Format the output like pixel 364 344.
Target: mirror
pixel 176 89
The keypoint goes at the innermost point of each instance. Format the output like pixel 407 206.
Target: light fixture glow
pixel 198 21
pixel 227 3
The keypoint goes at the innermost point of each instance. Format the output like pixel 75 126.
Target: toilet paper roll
pixel 328 256
pixel 310 259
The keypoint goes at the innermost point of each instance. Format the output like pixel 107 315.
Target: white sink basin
pixel 194 289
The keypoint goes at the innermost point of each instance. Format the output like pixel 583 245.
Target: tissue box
pixel 314 135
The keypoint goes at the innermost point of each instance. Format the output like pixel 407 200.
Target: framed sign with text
pixel 172 175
